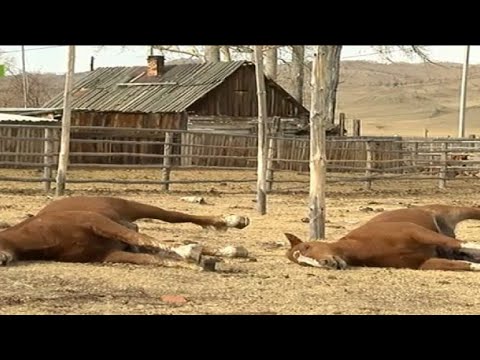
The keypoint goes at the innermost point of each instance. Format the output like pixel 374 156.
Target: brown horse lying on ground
pixel 100 229
pixel 417 238
pixel 125 212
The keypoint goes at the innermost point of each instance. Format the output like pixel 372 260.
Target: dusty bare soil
pixel 271 285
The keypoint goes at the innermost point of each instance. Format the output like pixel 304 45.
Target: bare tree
pixel 262 132
pixel 324 79
pixel 271 61
pixel 226 53
pixel 40 88
pixel 212 53
pixel 298 57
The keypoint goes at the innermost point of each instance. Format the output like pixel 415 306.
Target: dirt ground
pixel 271 285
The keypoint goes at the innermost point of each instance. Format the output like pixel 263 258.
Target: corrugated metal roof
pixel 21 118
pixel 178 88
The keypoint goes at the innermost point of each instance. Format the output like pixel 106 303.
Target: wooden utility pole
pixel 325 73
pixel 463 95
pixel 262 132
pixel 66 120
pixel 25 82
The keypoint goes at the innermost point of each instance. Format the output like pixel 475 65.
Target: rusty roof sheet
pixel 178 88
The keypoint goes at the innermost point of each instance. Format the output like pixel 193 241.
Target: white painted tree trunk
pixel 66 120
pixel 262 132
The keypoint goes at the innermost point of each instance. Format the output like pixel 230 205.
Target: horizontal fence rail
pixel 349 159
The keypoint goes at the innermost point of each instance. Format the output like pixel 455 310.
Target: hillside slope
pixel 403 98
pixel 399 98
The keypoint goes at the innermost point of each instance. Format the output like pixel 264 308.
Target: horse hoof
pixel 233 252
pixel 209 263
pixel 190 252
pixel 5 258
pixel 236 221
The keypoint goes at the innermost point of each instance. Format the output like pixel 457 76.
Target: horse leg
pixel 147 259
pixel 129 225
pixel 449 265
pixel 139 211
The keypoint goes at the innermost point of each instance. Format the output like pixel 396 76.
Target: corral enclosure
pixel 356 159
pixel 271 285
pixel 364 180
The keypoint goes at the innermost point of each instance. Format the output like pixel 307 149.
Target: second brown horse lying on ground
pixel 415 238
pixel 62 232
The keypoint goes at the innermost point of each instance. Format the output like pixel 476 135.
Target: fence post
pixel 369 165
pixel 167 151
pixel 341 123
pixel 47 158
pixel 356 127
pixel 472 137
pixel 275 129
pixel 415 155
pixel 443 169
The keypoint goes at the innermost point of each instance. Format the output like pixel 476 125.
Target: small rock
pixel 194 199
pixel 174 299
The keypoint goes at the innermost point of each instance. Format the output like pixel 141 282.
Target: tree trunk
pixel 226 53
pixel 324 77
pixel 334 60
pixel 298 58
pixel 271 60
pixel 262 133
pixel 66 119
pixel 212 53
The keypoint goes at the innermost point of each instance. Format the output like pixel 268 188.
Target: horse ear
pixel 293 239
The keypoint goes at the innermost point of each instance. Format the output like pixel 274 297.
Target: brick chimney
pixel 155 65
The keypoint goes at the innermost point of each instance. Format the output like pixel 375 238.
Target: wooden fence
pixel 364 159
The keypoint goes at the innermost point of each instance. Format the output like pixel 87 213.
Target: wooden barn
pixel 218 96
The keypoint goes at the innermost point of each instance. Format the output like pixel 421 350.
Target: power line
pixel 32 49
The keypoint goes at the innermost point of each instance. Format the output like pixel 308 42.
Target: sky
pixel 53 58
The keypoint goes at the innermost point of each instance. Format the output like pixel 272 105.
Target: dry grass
pixel 270 285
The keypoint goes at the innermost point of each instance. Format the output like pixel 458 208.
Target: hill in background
pixel 398 98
